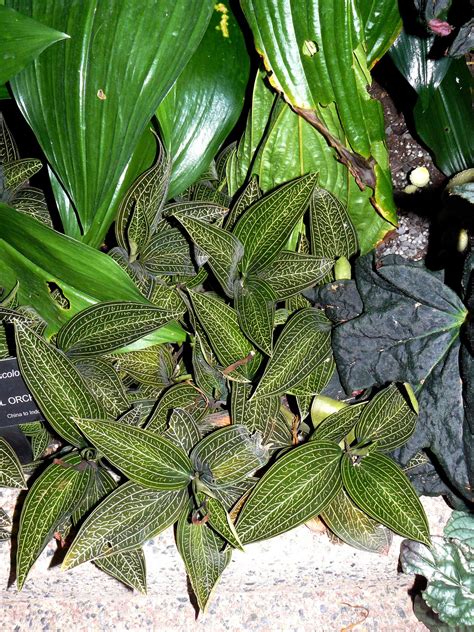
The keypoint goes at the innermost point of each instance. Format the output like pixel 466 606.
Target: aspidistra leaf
pixel 296 487
pixel 56 385
pixel 382 490
pixel 254 301
pixel 11 473
pixel 143 456
pixel 126 566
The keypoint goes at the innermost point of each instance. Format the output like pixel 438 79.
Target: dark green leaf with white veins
pixel 223 249
pixel 354 527
pixel 184 396
pixel 338 425
pixel 298 486
pixel 228 456
pixel 128 567
pixel 254 302
pixel 106 327
pixel 331 230
pixel 292 272
pixel 381 489
pixel 264 228
pixel 167 252
pixel 11 474
pixel 127 518
pixel 183 430
pixel 388 419
pixel 205 561
pixel 52 498
pixel 140 454
pixel 220 521
pixel 56 385
pixel 302 345
pixel 5 526
pixel 153 365
pixel 198 210
pixel 104 381
pixel 317 380
pixel 225 336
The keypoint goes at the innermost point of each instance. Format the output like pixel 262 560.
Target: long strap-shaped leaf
pixel 102 87
pixel 55 383
pixel 11 473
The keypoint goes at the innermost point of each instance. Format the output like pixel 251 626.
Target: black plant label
pixel 17 405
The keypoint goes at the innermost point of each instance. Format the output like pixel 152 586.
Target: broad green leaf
pixel 4 93
pixel 449 570
pixel 381 489
pixel 183 430
pixel 354 527
pixel 126 519
pixel 238 402
pixel 205 102
pixel 254 301
pixel 460 527
pixel 379 33
pixel 185 396
pixel 233 350
pixel 110 100
pixel 388 419
pixel 11 474
pixel 52 498
pixel 41 259
pixel 140 454
pixel 297 487
pixel 106 327
pixel 338 425
pixel 105 383
pixel 227 456
pixel 128 567
pixel 223 249
pixel 316 58
pixel 69 220
pixel 220 521
pixel 203 555
pixel 301 346
pixel 292 272
pixel 153 365
pixel 21 40
pixel 264 227
pixel 56 385
pixel 331 231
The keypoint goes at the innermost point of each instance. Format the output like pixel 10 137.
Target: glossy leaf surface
pixel 126 566
pixel 11 474
pixel 254 302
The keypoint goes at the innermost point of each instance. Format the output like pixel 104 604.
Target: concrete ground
pixel 297 582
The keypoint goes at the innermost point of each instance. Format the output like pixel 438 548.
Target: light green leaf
pixel 381 489
pixel 460 527
pixel 11 474
pixel 52 498
pixel 105 327
pixel 254 301
pixel 221 522
pixel 301 346
pixel 185 396
pixel 56 385
pixel 338 425
pixel 66 210
pixel 331 231
pixel 297 487
pixel 128 567
pixel 110 101
pixel 205 561
pixel 102 484
pixel 227 456
pixel 143 456
pixel 388 419
pixel 264 228
pixel 379 33
pixel 126 519
pixel 354 527
pixel 21 40
pixel 223 249
pixel 183 430
pixel 227 341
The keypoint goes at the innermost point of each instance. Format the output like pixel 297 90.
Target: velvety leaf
pixel 32 202
pixel 449 570
pixel 16 173
pixel 153 365
pixel 116 99
pixel 264 228
pixel 22 39
pixel 203 556
pixel 381 490
pixel 5 526
pixel 41 258
pixel 198 210
pixel 141 455
pixel 354 527
pixel 296 487
pixel 254 301
pixel 105 384
pixel 231 494
pixel 53 497
pixel 205 102
pixel 460 527
pixel 56 385
pixel 105 327
pixel 39 437
pixel 221 522
pixel 301 346
pixel 208 379
pixel 102 484
pixel 185 396
pixel 249 195
pixel 292 272
pixel 232 347
pixel 167 252
pixel 388 419
pixel 224 250
pixel 183 430
pixel 11 474
pixel 127 566
pixel 338 425
pixel 8 148
pixel 227 456
pixel 126 519
pixel 331 231
pixel 317 380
